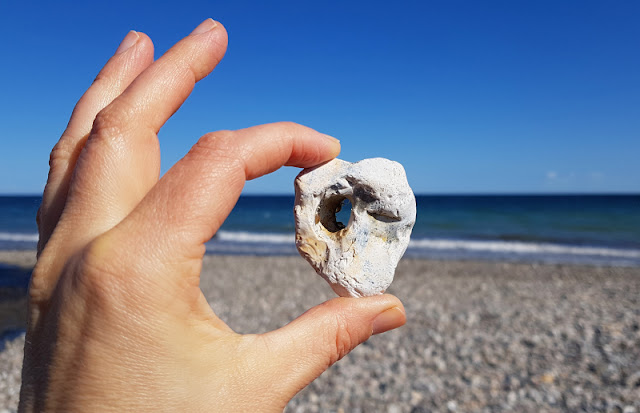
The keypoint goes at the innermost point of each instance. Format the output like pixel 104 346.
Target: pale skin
pixel 117 321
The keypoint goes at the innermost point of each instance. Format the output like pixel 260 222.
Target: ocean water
pixel 583 229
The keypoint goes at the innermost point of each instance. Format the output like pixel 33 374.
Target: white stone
pixel 359 259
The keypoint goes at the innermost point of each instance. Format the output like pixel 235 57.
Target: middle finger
pixel 121 160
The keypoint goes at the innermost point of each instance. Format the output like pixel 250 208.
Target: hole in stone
pixel 335 213
pixel 344 214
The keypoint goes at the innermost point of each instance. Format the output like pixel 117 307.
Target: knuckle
pixel 60 153
pixel 284 145
pixel 99 273
pixel 185 69
pixel 61 158
pixel 289 126
pixel 98 258
pixel 219 147
pixel 338 341
pixel 284 142
pixel 220 140
pixel 39 285
pixel 191 64
pixel 105 123
pixel 289 130
pixel 110 124
pixel 93 277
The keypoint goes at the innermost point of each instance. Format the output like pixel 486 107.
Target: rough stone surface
pixel 359 258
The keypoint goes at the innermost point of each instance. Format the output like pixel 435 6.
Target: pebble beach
pixel 480 336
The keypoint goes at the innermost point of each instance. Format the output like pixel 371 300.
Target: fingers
pixel 133 56
pixel 186 208
pixel 323 335
pixel 121 160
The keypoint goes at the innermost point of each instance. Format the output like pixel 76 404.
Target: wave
pixel 18 237
pixel 518 247
pixel 490 247
pixel 245 242
pixel 255 237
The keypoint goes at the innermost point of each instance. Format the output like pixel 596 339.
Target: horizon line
pixel 462 193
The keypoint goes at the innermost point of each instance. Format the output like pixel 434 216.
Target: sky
pixel 470 96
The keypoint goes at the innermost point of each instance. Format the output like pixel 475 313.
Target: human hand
pixel 117 321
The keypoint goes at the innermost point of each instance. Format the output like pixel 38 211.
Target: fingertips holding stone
pixel 357 258
pixel 388 320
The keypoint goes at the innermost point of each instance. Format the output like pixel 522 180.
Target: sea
pixel 575 229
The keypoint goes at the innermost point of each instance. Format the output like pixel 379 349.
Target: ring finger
pixel 134 54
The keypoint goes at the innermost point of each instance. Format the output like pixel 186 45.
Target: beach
pixel 480 336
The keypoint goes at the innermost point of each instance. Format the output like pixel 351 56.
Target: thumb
pixel 310 344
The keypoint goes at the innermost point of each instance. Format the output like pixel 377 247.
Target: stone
pixel 358 258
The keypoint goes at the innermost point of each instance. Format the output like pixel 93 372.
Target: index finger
pixel 188 205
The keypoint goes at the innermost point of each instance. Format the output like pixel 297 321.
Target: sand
pixel 480 336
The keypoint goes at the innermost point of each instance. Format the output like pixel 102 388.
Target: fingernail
pixel 205 26
pixel 331 138
pixel 388 320
pixel 129 40
pixel 335 147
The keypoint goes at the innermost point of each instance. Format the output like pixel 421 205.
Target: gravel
pixel 480 336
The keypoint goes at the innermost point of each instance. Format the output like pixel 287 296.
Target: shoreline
pixel 480 335
pixel 26 259
pixel 508 248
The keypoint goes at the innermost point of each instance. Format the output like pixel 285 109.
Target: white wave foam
pixel 255 237
pixel 11 236
pixel 496 247
pixel 515 247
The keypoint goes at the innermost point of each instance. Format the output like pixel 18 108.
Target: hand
pixel 117 321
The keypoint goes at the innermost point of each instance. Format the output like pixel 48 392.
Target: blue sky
pixel 470 96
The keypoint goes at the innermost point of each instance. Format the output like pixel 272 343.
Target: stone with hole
pixel 359 257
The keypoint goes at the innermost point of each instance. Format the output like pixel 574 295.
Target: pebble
pixel 532 323
pixel 357 258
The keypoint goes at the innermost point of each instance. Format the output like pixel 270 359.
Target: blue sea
pixel 579 229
